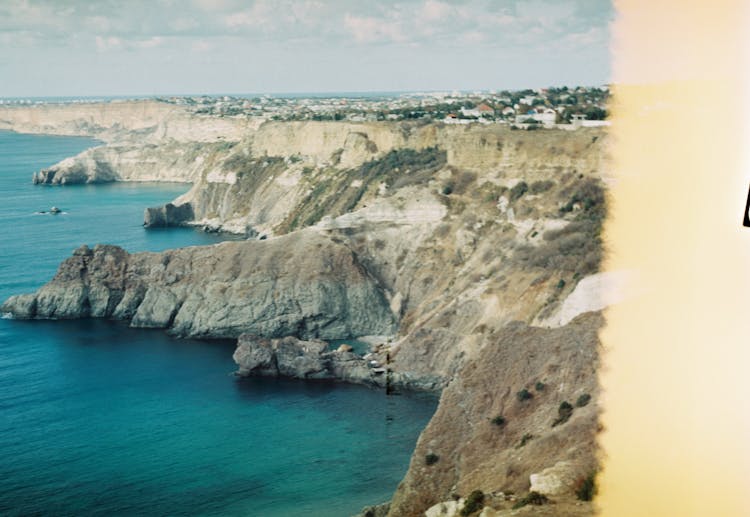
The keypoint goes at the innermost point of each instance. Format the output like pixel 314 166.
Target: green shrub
pixel 525 439
pixel 518 190
pixel 589 194
pixel 473 503
pixel 534 498
pixel 541 186
pixel 561 284
pixel 586 487
pixel 564 412
pixel 524 395
pixel 583 400
pixel 431 459
pixel 499 421
pixel 539 386
pixel 577 247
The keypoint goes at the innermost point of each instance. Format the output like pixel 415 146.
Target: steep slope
pixel 476 450
pixel 451 242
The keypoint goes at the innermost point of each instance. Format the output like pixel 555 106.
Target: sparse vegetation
pixel 585 488
pixel 431 459
pixel 333 192
pixel 524 395
pixel 473 503
pixel 518 190
pixel 541 186
pixel 525 439
pixel 539 386
pixel 583 400
pixel 561 284
pixel 564 412
pixel 534 498
pixel 577 247
pixel 499 421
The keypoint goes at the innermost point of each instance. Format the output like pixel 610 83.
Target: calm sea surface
pixel 100 419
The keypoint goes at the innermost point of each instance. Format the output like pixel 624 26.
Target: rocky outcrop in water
pixel 298 359
pixel 291 357
pixel 306 286
pixel 167 215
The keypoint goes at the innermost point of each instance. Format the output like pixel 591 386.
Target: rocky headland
pixel 472 254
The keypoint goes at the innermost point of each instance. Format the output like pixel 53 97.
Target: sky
pixel 158 47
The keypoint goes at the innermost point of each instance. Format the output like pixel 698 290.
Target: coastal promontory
pixel 469 257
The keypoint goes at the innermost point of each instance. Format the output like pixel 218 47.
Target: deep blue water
pixel 100 419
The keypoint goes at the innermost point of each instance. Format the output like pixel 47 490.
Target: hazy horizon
pixel 73 48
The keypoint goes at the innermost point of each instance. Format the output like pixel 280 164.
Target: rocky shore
pixel 475 249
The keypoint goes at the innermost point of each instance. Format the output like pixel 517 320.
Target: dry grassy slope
pixel 475 453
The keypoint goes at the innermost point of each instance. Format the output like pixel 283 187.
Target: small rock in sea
pixel 345 348
pixel 54 210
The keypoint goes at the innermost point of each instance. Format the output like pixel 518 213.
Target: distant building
pixel 484 109
pixel 545 116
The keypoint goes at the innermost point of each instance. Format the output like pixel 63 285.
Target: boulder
pixel 168 215
pixel 556 480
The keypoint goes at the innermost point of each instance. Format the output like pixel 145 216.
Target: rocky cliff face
pixel 168 161
pixel 307 286
pixel 456 242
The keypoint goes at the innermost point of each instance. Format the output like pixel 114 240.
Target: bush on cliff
pixel 524 395
pixel 473 503
pixel 585 488
pixel 534 498
pixel 564 412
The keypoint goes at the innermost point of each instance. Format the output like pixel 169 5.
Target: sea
pixel 97 418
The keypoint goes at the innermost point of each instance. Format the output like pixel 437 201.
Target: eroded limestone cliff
pixel 452 242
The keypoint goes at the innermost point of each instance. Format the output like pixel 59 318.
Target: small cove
pixel 100 419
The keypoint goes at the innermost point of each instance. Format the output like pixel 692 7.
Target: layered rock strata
pixel 306 286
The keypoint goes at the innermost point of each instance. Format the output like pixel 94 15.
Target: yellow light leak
pixel 676 375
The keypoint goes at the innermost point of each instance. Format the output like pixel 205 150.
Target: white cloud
pixel 261 15
pixel 368 29
pixel 183 24
pixel 201 46
pixel 434 10
pixel 105 43
pixel 149 43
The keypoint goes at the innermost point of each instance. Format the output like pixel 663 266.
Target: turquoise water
pixel 100 419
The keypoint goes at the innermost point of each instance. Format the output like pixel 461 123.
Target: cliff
pixel 455 244
pixel 488 436
pixel 307 286
pixel 122 120
pixel 167 161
